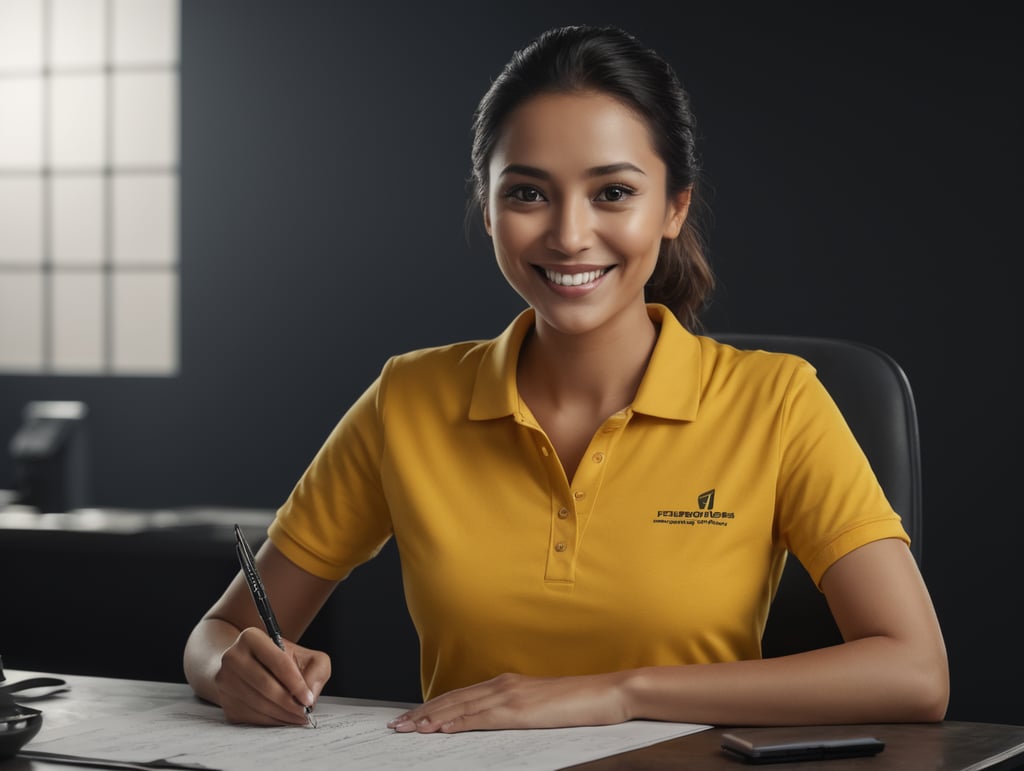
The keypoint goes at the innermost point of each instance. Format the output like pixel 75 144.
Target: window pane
pixel 145 31
pixel 77 33
pixel 21 321
pixel 77 121
pixel 145 323
pixel 21 221
pixel 76 220
pixel 72 122
pixel 78 322
pixel 145 220
pixel 21 35
pixel 145 119
pixel 21 123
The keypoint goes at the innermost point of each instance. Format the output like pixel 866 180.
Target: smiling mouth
pixel 573 279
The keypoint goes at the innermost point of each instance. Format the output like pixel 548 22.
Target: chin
pixel 572 321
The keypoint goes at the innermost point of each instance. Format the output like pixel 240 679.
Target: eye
pixel 524 194
pixel 615 193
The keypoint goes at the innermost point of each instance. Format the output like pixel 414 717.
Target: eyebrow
pixel 597 171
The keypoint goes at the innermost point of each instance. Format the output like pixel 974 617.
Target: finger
pixel 250 681
pixel 450 715
pixel 263 702
pixel 430 716
pixel 284 667
pixel 315 667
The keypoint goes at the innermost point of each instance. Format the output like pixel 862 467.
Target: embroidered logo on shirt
pixel 704 515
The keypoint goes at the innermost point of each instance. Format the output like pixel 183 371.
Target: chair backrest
pixel 874 395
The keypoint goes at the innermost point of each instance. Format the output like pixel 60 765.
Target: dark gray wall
pixel 865 172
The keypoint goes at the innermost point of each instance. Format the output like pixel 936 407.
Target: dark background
pixel 864 174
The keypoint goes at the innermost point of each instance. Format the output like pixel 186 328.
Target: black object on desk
pixel 781 748
pixel 18 724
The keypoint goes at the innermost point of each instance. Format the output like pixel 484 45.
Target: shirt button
pixel 544 451
pixel 579 495
pixel 563 513
pixel 560 546
pixel 598 457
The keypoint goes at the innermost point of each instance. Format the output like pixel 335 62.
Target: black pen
pixel 259 595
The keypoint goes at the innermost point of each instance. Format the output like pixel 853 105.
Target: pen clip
pixel 259 593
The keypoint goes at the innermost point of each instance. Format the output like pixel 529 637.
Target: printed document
pixel 348 736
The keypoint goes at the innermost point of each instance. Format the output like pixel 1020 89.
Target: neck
pixel 600 370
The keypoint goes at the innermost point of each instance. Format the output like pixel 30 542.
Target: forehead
pixel 553 131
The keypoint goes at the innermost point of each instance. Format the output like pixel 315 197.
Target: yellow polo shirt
pixel 665 548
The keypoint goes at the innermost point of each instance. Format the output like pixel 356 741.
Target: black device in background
pixel 789 748
pixel 51 457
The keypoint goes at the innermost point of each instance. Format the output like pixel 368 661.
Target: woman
pixel 593 509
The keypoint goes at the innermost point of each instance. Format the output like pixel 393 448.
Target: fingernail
pixel 401 725
pixel 396 720
pixel 308 699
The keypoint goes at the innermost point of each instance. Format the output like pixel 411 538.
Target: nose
pixel 571 228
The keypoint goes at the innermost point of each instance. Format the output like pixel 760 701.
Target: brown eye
pixel 525 194
pixel 615 194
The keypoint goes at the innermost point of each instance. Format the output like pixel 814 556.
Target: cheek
pixel 512 235
pixel 638 237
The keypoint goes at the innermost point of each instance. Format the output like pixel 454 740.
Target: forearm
pixel 874 679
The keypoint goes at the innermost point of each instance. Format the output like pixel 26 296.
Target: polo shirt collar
pixel 669 389
pixel 494 393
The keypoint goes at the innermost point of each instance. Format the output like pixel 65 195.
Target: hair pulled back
pixel 611 61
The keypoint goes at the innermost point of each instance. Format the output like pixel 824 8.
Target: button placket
pixel 563 531
pixel 587 481
pixel 572 507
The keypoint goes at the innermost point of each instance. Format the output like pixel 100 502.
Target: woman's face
pixel 577 209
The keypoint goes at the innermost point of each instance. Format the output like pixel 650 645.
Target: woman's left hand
pixel 518 701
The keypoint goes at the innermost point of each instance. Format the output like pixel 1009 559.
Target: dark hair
pixel 611 61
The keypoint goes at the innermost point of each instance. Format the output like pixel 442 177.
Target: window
pixel 89 204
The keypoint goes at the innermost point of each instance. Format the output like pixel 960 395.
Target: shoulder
pixel 689 372
pixel 723 364
pixel 443 361
pixel 441 378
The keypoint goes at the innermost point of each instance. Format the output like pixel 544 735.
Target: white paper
pixel 347 736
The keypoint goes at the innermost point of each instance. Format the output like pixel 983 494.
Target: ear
pixel 487 219
pixel 675 214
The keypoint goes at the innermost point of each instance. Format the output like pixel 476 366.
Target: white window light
pixel 89 210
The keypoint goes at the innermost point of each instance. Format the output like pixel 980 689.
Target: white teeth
pixel 574 279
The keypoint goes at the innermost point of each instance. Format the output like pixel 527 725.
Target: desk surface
pixel 949 746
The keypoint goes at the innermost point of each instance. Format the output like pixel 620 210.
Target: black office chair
pixel 874 395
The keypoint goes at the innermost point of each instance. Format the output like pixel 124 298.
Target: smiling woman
pixel 526 478
pixel 578 202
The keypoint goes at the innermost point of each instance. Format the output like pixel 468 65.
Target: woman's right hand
pixel 245 672
pixel 258 683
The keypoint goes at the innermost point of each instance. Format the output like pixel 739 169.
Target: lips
pixel 580 278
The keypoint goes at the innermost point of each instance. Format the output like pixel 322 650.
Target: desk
pixel 949 746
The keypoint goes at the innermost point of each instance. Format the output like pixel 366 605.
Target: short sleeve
pixel 337 517
pixel 829 501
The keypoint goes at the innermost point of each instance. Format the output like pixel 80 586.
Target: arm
pixel 231 661
pixel 892 667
